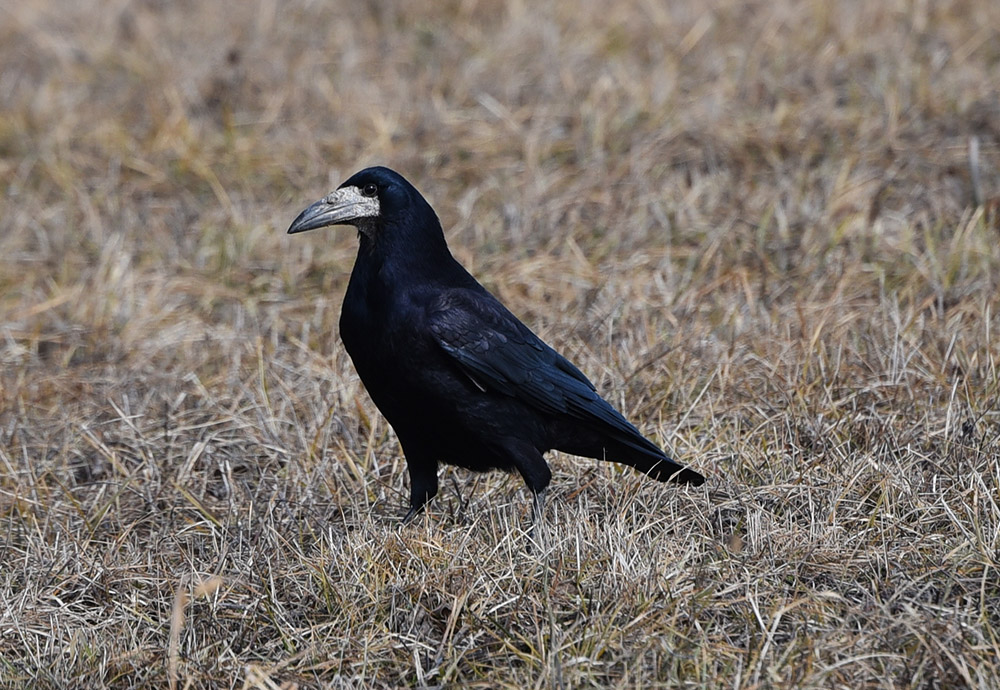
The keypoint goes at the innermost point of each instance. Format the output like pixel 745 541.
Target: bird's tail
pixel 662 469
pixel 635 451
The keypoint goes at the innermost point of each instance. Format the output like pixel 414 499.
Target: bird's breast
pixel 382 333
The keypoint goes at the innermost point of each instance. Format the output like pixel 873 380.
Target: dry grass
pixel 756 225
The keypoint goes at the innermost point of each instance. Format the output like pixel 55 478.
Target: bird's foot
pixel 410 515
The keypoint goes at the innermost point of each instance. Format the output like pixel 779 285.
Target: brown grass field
pixel 768 231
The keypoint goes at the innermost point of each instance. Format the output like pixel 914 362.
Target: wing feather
pixel 499 353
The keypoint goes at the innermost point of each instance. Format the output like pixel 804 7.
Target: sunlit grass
pixel 754 226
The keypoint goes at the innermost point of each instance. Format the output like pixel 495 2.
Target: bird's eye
pixel 369 190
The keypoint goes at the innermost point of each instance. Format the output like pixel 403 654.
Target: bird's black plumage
pixel 460 379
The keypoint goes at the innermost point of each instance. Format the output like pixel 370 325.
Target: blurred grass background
pixel 767 230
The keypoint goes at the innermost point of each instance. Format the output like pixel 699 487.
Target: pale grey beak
pixel 343 206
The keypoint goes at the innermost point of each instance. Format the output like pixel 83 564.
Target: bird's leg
pixel 538 532
pixel 423 482
pixel 531 465
pixel 410 514
pixel 538 506
pixel 421 491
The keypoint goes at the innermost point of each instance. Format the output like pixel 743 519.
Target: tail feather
pixel 635 451
pixel 661 469
pixel 639 452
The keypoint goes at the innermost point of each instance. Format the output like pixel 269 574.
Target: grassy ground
pixel 767 230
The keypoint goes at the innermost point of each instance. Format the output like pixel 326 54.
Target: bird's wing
pixel 499 353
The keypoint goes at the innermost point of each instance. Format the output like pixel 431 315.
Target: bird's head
pixel 373 200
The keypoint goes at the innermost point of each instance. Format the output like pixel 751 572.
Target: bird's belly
pixel 443 411
pixel 428 400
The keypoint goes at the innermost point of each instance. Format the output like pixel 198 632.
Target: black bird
pixel 460 379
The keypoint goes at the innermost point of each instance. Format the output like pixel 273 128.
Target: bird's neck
pixel 416 251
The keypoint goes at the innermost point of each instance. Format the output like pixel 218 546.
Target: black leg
pixel 538 507
pixel 531 465
pixel 423 480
